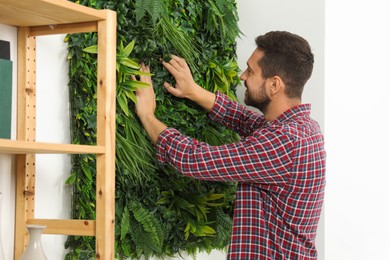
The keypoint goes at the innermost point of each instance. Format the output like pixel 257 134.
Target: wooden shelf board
pixel 71 227
pixel 23 147
pixel 46 12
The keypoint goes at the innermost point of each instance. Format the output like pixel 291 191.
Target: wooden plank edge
pixel 75 7
pixel 24 147
pixel 71 227
pixel 63 28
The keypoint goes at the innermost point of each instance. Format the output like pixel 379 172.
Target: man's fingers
pixel 167 86
pixel 170 89
pixel 179 63
pixel 144 78
pixel 144 67
pixel 171 68
pixel 175 64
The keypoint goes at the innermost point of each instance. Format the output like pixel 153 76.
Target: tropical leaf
pixel 128 49
pixel 91 49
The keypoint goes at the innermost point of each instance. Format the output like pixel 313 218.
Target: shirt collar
pixel 302 110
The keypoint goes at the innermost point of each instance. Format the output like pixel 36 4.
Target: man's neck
pixel 278 107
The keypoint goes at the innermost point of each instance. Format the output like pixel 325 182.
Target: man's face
pixel 256 92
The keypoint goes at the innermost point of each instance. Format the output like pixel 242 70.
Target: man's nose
pixel 242 76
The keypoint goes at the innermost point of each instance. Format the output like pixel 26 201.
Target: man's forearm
pixel 203 98
pixel 153 127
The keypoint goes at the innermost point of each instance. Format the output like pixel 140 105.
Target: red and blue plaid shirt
pixel 280 170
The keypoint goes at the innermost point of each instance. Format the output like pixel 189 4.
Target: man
pixel 279 163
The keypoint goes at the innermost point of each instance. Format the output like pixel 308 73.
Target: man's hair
pixel 288 56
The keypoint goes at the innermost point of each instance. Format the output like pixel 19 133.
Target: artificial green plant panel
pixel 158 211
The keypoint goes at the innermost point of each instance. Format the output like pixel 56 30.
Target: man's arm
pixel 185 84
pixel 153 127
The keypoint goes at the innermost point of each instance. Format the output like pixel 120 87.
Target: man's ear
pixel 277 85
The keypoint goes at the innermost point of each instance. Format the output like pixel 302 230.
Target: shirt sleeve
pixel 264 157
pixel 235 116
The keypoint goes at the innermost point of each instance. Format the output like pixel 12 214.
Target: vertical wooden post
pixel 105 163
pixel 26 112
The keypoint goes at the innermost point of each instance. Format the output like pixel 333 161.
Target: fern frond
pixel 231 25
pixel 125 223
pixel 155 8
pixel 140 9
pixel 223 219
pixel 143 241
pixel 224 18
pixel 217 8
pixel 148 230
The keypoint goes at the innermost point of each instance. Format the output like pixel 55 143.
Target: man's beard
pixel 260 101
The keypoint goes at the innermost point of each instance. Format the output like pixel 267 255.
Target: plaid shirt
pixel 280 170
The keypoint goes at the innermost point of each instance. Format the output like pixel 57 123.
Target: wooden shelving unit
pixel 34 18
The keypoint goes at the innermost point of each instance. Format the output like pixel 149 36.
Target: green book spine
pixel 5 98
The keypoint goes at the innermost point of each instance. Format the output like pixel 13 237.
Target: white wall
pixel 52 197
pixel 357 131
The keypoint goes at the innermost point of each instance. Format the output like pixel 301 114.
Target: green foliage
pixel 178 39
pixel 158 211
pixel 155 8
pixel 140 225
pixel 220 16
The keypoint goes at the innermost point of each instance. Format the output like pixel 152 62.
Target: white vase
pixel 34 249
pixel 2 257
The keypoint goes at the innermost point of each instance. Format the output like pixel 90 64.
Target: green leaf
pixel 128 49
pixel 91 49
pixel 215 196
pixel 125 223
pixel 139 73
pixel 71 179
pixel 129 63
pixel 211 204
pixel 135 84
pixel 122 102
pixel 163 201
pixel 207 230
